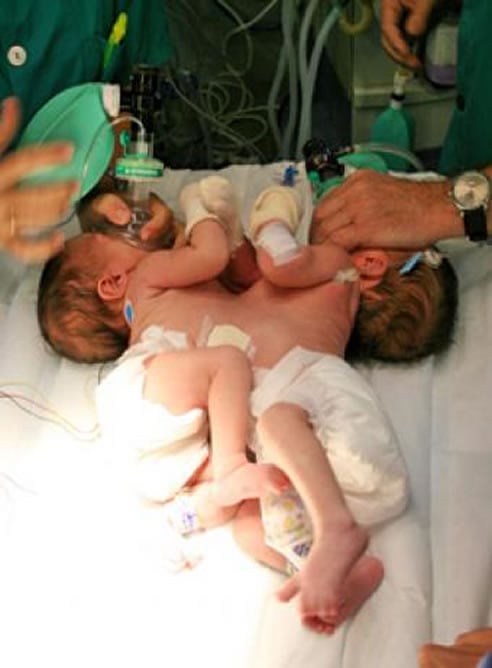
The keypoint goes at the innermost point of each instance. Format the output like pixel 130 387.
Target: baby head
pixel 72 316
pixel 407 308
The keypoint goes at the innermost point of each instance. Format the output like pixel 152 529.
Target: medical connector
pixel 321 159
pixel 431 257
pixel 136 172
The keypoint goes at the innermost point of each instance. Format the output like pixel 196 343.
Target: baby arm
pixel 274 219
pixel 311 266
pixel 212 231
pixel 203 258
pixel 338 541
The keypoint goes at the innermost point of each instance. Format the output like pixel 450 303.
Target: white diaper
pixel 162 450
pixel 351 424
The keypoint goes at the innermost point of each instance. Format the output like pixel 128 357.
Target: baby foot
pixel 362 581
pixel 321 579
pixel 250 481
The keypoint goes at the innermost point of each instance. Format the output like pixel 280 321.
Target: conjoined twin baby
pixel 326 463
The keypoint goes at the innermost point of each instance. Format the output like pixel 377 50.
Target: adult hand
pixel 26 211
pixel 112 207
pixel 401 20
pixel 370 209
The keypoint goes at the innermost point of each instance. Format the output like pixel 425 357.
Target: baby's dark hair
pixel 406 317
pixel 72 317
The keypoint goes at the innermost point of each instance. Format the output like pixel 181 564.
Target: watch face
pixel 471 190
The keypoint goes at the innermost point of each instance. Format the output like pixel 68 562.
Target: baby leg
pixel 218 378
pixel 288 440
pixel 361 582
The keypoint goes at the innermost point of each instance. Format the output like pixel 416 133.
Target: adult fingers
pixel 399 50
pixel 9 121
pixel 33 208
pixel 332 213
pixel 113 208
pixel 33 249
pixel 162 218
pixel 392 38
pixel 19 164
pixel 418 18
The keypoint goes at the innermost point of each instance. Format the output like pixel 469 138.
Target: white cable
pixel 380 147
pixel 305 123
pixel 225 101
pixel 243 26
pixel 237 140
pixel 272 108
pixel 288 16
pixel 303 38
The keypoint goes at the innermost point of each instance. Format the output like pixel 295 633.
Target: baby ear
pixel 112 285
pixel 371 265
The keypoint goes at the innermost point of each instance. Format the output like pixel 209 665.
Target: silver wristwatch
pixel 471 194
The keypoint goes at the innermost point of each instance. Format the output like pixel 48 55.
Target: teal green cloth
pixel 64 41
pixel 468 143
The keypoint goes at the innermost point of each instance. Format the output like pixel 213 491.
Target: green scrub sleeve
pixel 147 41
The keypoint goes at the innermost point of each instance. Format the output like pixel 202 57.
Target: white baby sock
pixel 274 219
pixel 212 197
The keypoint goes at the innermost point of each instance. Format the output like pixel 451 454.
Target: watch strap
pixel 475 223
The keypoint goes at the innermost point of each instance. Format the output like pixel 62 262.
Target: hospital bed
pixel 84 577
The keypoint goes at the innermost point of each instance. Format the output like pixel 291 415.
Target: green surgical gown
pixel 468 143
pixel 49 45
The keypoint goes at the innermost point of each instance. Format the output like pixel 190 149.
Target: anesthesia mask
pixel 135 172
pixel 80 115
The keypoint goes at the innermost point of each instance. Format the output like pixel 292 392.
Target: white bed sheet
pixel 82 575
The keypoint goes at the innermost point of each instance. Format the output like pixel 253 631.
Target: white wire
pixel 225 101
pixel 306 110
pixel 243 26
pixel 224 129
pixel 306 22
pixel 272 107
pixel 288 18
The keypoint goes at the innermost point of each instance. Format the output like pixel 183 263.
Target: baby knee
pixel 277 416
pixel 232 356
